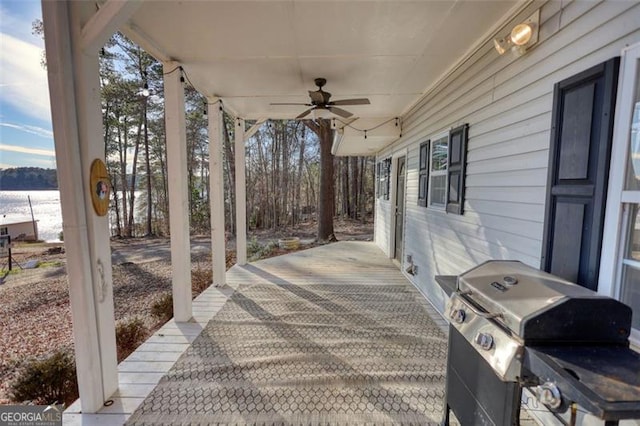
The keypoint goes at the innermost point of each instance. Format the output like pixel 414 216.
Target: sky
pixel 26 136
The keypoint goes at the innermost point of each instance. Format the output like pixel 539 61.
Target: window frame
pixel 619 197
pixel 387 178
pixel 437 173
pixel 455 170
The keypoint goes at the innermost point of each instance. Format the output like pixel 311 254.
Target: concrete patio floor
pixel 339 263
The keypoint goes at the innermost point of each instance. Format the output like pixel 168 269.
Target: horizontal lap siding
pixel 507 102
pixel 382 231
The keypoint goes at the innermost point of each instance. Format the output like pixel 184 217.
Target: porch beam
pixel 241 195
pixel 216 191
pixel 74 88
pixel 135 34
pixel 178 193
pixel 106 21
pixel 254 129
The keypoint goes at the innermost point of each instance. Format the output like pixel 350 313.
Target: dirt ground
pixel 35 318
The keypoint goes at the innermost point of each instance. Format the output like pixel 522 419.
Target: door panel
pixel 575 144
pixel 579 155
pixel 399 217
pixel 566 260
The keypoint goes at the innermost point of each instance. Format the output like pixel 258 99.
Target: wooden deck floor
pixel 339 263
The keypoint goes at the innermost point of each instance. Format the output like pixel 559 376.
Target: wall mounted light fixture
pixel 521 37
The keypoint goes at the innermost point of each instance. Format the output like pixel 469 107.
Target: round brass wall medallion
pixel 100 187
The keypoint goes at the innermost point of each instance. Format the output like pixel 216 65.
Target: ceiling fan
pixel 320 100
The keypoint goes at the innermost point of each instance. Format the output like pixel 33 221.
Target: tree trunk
pixel 132 195
pixel 353 205
pixel 298 189
pixel 123 145
pixel 345 210
pixel 322 127
pixel 148 166
pixel 362 198
pixel 231 175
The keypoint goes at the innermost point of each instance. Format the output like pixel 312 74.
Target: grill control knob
pixel 484 340
pixel 549 394
pixel 509 280
pixel 458 315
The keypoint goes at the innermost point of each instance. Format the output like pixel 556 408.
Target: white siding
pixel 507 102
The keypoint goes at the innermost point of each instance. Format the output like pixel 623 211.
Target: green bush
pixel 130 333
pixel 47 380
pixel 162 307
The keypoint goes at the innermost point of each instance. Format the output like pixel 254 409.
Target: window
pixel 383 170
pixel 620 260
pixel 630 285
pixel 387 177
pixel 442 170
pixel 4 230
pixel 423 176
pixel 438 172
pixel 630 293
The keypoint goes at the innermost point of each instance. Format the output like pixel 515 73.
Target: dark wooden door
pixel 579 155
pixel 399 216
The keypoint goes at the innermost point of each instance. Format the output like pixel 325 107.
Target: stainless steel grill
pixel 513 326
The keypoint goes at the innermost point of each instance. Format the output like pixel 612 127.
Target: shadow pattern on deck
pixel 279 353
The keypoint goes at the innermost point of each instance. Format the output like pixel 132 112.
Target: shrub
pixel 130 333
pixel 47 380
pixel 253 247
pixel 162 307
pixel 201 279
pixel 257 251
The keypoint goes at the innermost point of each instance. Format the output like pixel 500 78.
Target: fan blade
pixel 339 111
pixel 288 103
pixel 304 114
pixel 360 101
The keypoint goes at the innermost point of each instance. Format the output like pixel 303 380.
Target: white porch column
pixel 241 195
pixel 216 189
pixel 74 88
pixel 178 192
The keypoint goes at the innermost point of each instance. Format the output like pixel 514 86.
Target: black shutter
pixel 423 177
pixel 457 164
pixel 579 157
pixel 387 177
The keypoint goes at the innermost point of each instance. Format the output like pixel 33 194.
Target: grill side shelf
pixel 603 380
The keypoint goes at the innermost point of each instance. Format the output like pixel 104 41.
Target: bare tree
pixel 326 202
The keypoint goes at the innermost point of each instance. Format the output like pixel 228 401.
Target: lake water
pixel 14 205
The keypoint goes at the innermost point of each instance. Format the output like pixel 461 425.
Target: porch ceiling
pixel 253 53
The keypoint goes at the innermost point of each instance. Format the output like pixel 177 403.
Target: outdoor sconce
pixel 521 37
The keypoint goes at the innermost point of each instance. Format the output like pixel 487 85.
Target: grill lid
pixel 535 305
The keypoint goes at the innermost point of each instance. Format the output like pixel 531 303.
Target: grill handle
pixel 487 315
